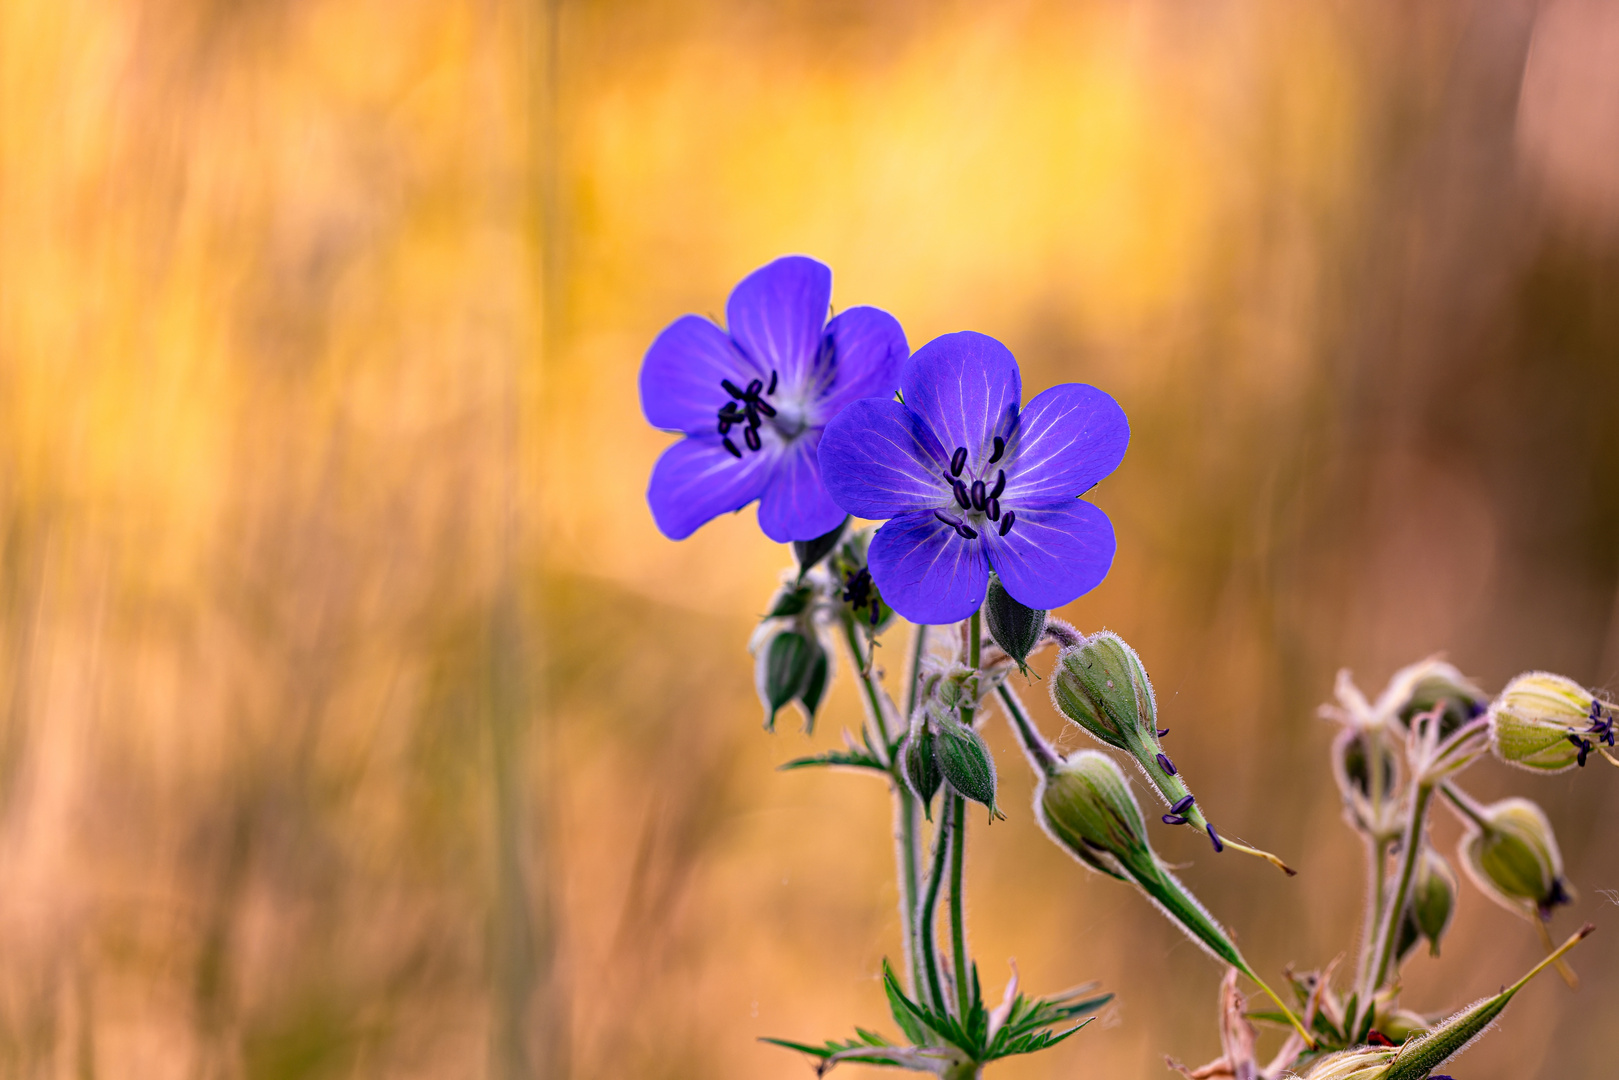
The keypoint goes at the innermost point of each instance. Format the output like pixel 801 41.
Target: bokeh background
pixel 356 721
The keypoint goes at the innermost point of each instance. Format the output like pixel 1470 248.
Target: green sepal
pixel 786 663
pixel 810 552
pixel 815 680
pixel 965 761
pixel 790 602
pixel 1015 628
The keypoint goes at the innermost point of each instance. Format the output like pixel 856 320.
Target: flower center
pixel 748 409
pixel 978 501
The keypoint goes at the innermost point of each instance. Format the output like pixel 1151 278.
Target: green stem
pixel 925 921
pixel 907 853
pixel 1389 927
pixel 1464 804
pixel 876 715
pixel 1377 856
pixel 958 927
pixel 1040 752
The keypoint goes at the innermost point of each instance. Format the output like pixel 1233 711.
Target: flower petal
pixel 867 349
pixel 697 480
pixel 879 460
pixel 1067 439
pixel 966 386
pixel 795 505
pixel 680 377
pixel 1053 554
pixel 777 313
pixel 925 571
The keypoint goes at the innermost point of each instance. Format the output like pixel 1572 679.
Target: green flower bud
pixel 781 670
pixel 922 774
pixel 1400 1025
pixel 965 761
pixel 810 552
pixel 1353 772
pixel 1101 686
pixel 1548 723
pixel 815 680
pixel 1512 857
pixel 1433 898
pixel 1439 685
pixel 1015 628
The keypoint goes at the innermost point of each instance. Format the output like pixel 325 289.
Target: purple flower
pixel 969 482
pixel 753 403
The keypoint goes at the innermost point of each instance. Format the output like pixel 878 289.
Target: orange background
pixel 356 721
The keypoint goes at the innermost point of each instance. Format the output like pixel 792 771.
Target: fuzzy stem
pixel 1040 753
pixel 925 922
pixel 907 853
pixel 1377 858
pixel 1389 927
pixel 1464 804
pixel 958 928
pixel 876 715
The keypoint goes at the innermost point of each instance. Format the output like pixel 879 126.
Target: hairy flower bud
pixel 1433 898
pixel 1512 856
pixel 922 774
pixel 810 552
pixel 1548 723
pixel 965 761
pixel 1438 685
pixel 780 671
pixel 1015 628
pixel 1101 686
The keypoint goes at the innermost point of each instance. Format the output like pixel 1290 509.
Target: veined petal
pixel 926 571
pixel 1053 554
pixel 879 460
pixel 795 505
pixel 697 479
pixel 866 348
pixel 1067 439
pixel 680 377
pixel 966 386
pixel 777 314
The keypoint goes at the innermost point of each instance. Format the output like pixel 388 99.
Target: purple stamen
pixel 958 461
pixel 771 389
pixel 954 523
pixel 751 437
pixel 1173 819
pixel 962 497
pixel 755 386
pixel 966 532
pixel 1006 522
pixel 1000 484
pixel 993 510
pixel 1214 838
pixel 1181 806
pixel 1000 448
pixel 725 425
pixel 977 494
pixel 731 446
pixel 733 389
pixel 1162 732
pixel 1165 764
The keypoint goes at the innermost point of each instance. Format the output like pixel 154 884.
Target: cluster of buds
pixel 941 749
pixel 1549 723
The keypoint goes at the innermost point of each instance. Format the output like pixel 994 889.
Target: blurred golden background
pixel 356 721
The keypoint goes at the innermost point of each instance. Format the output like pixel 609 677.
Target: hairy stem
pixel 958 926
pixel 1040 753
pixel 907 814
pixel 1377 857
pixel 1389 927
pixel 876 715
pixel 925 920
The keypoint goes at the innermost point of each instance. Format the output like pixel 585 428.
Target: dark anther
pixel 764 406
pixel 966 532
pixel 1000 484
pixel 752 415
pixel 1377 1038
pixel 771 389
pixel 1162 732
pixel 1000 448
pixel 958 461
pixel 962 497
pixel 993 510
pixel 954 523
pixel 733 389
pixel 1181 806
pixel 977 494
pixel 725 426
pixel 751 437
pixel 1006 522
pixel 1174 819
pixel 755 386
pixel 731 446
pixel 1165 764
pixel 1214 838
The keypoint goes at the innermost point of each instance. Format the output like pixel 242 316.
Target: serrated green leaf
pixel 852 759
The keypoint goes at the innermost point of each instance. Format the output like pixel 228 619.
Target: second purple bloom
pixel 970 482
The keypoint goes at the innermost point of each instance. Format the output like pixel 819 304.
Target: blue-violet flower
pixel 969 482
pixel 753 402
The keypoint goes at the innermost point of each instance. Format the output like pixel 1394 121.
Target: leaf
pixel 790 602
pixel 852 759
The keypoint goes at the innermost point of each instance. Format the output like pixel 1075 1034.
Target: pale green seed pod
pixel 1015 628
pixel 1086 804
pixel 1433 898
pixel 922 774
pixel 1358 1064
pixel 965 763
pixel 1513 858
pixel 1541 721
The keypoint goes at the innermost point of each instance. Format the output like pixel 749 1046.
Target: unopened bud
pixel 1433 897
pixel 1513 858
pixel 1353 770
pixel 815 680
pixel 1086 806
pixel 965 761
pixel 1359 1064
pixel 1548 723
pixel 781 670
pixel 1102 686
pixel 922 774
pixel 1438 685
pixel 810 552
pixel 1016 629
